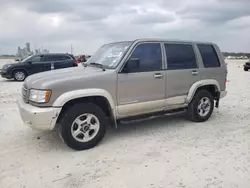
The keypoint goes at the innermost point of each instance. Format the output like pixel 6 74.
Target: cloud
pixel 56 24
pixel 216 11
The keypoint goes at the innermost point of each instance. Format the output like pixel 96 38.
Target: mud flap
pixel 217 103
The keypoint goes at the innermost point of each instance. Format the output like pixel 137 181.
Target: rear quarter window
pixel 62 57
pixel 209 55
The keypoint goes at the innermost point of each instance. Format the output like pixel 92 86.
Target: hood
pixel 7 65
pixel 46 79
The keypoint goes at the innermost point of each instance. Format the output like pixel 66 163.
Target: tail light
pixel 76 63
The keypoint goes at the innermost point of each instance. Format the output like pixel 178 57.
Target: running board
pixel 150 116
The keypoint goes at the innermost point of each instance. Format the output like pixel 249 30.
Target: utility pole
pixel 71 49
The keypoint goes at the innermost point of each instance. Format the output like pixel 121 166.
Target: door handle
pixel 158 75
pixel 194 72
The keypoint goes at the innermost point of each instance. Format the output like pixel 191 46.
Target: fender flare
pixel 71 95
pixel 199 84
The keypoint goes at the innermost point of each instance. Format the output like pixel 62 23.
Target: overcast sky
pixel 87 24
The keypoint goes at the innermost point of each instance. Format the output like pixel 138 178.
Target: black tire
pixel 17 78
pixel 69 117
pixel 192 112
pixel 245 69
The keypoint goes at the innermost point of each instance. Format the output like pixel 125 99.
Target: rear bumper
pixel 38 118
pixel 223 94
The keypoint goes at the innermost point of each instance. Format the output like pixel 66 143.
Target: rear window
pixel 180 56
pixel 209 55
pixel 63 57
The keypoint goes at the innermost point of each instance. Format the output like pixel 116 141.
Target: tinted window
pixel 36 59
pixel 209 56
pixel 55 57
pixel 71 56
pixel 180 56
pixel 49 58
pixel 63 57
pixel 149 55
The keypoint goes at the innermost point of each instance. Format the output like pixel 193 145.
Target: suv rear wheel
pixel 83 126
pixel 245 69
pixel 19 75
pixel 201 107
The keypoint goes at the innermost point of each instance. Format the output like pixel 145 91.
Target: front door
pixel 142 89
pixel 182 71
pixel 34 64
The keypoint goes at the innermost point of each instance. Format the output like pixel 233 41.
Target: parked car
pixel 125 81
pixel 37 63
pixel 247 66
pixel 83 58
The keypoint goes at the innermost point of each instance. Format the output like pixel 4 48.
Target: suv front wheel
pixel 201 107
pixel 83 126
pixel 19 75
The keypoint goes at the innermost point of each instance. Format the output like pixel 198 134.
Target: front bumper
pixel 38 118
pixel 246 66
pixel 223 94
pixel 5 74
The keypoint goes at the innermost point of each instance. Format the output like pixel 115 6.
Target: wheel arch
pixel 210 83
pixel 98 96
pixel 16 69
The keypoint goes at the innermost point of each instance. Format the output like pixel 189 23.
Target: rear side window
pixel 63 57
pixel 209 55
pixel 180 56
pixel 49 58
pixel 55 57
pixel 71 56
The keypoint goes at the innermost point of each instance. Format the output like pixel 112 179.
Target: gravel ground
pixel 169 152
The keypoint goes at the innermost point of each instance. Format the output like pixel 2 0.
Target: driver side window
pixel 149 57
pixel 36 59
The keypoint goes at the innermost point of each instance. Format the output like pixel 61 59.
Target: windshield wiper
pixel 98 65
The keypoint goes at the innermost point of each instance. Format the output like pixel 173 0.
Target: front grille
pixel 25 93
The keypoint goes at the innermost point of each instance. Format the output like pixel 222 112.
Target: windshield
pixel 25 59
pixel 109 55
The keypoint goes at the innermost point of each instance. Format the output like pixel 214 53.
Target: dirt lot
pixel 168 152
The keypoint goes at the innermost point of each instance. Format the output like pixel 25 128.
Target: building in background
pixel 26 51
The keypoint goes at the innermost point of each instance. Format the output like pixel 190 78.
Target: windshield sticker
pixel 115 54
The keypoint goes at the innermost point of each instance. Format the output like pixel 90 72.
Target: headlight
pixel 39 96
pixel 6 66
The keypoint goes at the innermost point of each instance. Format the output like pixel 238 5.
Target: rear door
pixel 46 60
pixel 182 71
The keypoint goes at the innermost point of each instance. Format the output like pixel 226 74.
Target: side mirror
pixel 132 64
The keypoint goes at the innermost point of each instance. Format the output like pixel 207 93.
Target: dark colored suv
pixel 37 63
pixel 247 66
